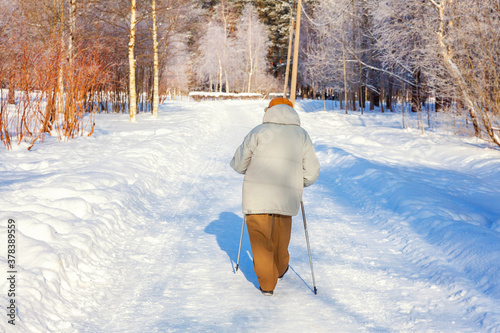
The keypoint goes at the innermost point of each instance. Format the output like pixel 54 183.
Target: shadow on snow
pixel 227 230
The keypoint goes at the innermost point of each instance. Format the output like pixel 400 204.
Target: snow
pixel 136 228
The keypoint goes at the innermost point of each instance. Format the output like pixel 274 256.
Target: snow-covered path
pixel 136 229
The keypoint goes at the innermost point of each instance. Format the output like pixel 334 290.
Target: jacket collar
pixel 281 114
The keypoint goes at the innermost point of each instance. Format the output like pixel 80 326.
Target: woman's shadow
pixel 227 230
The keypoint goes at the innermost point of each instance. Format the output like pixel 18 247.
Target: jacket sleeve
pixel 243 155
pixel 310 165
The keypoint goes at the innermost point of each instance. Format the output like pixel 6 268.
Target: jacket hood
pixel 281 114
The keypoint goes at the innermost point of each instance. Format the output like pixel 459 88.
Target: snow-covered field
pixel 136 229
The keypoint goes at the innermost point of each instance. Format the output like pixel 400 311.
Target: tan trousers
pixel 269 238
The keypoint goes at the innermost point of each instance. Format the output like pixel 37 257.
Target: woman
pixel 278 160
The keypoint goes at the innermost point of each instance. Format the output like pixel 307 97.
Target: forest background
pixel 61 61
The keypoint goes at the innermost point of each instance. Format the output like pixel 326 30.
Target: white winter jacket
pixel 278 160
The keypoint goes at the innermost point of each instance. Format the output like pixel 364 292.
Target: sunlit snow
pixel 136 228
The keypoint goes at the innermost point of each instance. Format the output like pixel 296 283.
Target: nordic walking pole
pixel 241 239
pixel 308 247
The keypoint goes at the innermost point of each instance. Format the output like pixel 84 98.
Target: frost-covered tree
pixel 131 57
pixel 404 41
pixel 454 45
pixel 339 50
pixel 447 46
pixel 324 52
pixel 215 61
pixel 175 76
pixel 211 61
pixel 232 52
pixel 253 41
pixel 226 14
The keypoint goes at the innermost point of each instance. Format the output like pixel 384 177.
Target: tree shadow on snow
pixel 227 230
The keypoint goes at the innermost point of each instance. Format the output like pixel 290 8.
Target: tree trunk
pixel 71 53
pixel 388 96
pixel 381 98
pixel 345 69
pixel 227 81
pixel 416 98
pixel 131 61
pixel 12 91
pixel 250 72
pixel 156 96
pixel 220 73
pixel 362 99
pixel 353 99
pixel 72 32
pixel 372 100
pixel 453 69
pixel 439 104
pixel 60 81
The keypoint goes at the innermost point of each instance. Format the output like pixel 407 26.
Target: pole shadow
pixel 227 231
pixel 303 281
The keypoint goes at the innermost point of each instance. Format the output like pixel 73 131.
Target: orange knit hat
pixel 279 100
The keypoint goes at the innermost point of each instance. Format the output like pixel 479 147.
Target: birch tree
pixel 442 39
pixel 227 15
pixel 131 59
pixel 211 61
pixel 468 39
pixel 156 79
pixel 253 37
pixel 175 75
pixel 60 78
